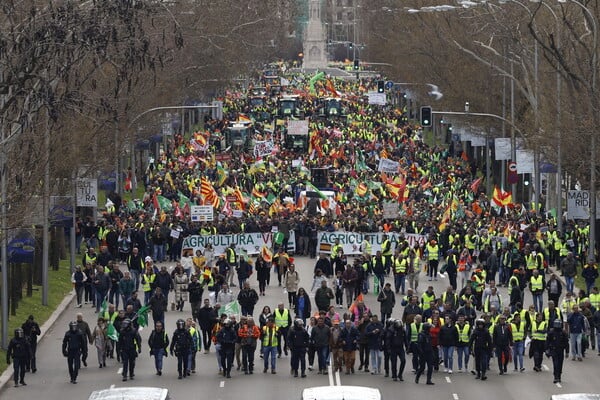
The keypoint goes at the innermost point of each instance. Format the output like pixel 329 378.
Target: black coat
pixel 18 348
pixel 74 343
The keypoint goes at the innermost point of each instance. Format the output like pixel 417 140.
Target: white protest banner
pixel 503 148
pixel 351 241
pixel 299 128
pixel 525 161
pixel 388 166
pixel 202 213
pixel 377 98
pixel 251 243
pixel 263 148
pixel 87 193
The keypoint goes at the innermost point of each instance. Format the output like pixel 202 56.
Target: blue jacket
pixel 374 331
pixel 576 323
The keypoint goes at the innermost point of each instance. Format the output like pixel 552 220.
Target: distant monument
pixel 315 55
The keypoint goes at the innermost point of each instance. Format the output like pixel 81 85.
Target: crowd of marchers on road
pixel 486 247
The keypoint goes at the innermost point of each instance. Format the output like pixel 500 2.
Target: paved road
pixel 51 382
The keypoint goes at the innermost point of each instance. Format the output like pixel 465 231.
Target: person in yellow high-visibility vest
pixel 433 256
pixel 518 335
pixel 538 341
pixel 537 285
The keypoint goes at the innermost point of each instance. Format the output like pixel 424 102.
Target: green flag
pixel 104 307
pixel 232 308
pixel 312 188
pixel 164 203
pixel 142 316
pixel 183 200
pixel 112 333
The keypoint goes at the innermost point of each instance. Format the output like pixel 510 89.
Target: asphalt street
pixel 51 382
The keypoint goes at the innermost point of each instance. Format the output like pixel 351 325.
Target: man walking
pixel 20 353
pixel 73 347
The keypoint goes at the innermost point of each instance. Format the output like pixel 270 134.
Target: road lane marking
pixel 545 367
pixel 120 371
pixel 448 379
pixel 222 384
pixel 338 379
pixel 330 375
pixel 455 396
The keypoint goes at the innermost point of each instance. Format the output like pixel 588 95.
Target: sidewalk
pixel 6 377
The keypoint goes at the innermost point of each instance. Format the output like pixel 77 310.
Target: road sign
pixel 202 213
pixel 389 85
pixel 87 193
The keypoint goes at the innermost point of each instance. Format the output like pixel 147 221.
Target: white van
pixel 131 393
pixel 341 393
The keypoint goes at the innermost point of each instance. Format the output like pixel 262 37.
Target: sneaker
pixel 483 378
pixel 450 371
pixel 273 372
pixel 460 370
pixel 125 379
pixel 579 359
pixel 310 367
pixel 265 370
pixel 446 370
pixel 522 369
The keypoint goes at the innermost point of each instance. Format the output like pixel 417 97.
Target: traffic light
pixel 426 116
pixel 380 87
pixel 350 45
pixel 356 64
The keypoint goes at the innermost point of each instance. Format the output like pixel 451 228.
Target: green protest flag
pixel 312 188
pixel 232 308
pixel 278 238
pixel 104 307
pixel 183 200
pixel 112 333
pixel 142 316
pixel 164 203
pixel 271 198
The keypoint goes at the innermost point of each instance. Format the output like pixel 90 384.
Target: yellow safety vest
pixel 110 318
pixel 547 313
pixel 281 319
pixel 433 252
pixel 270 336
pixel 463 335
pixel 537 284
pixel 538 332
pixel 518 332
pixel 414 332
pixel 400 265
pixel 148 281
pixel 531 261
pixel 426 299
pixel 387 244
pixel 595 300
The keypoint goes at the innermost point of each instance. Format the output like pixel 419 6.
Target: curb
pixel 7 375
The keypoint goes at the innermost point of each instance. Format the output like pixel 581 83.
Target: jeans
pixel 575 340
pixel 100 296
pixel 79 293
pixel 400 282
pixel 147 296
pixel 270 352
pixel 538 302
pixel 248 358
pixel 113 296
pixel 135 276
pixel 218 354
pixel 463 354
pixel 322 354
pixel 158 358
pixel 570 283
pixel 518 350
pixel 375 355
pixel 159 255
pixel 448 352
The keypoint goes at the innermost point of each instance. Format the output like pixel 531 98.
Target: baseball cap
pixel 148 259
